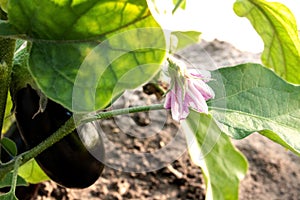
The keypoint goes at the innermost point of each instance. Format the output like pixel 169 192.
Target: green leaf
pixel 8 117
pixel 178 3
pixel 182 39
pixel 21 75
pixel 8 196
pixel 175 15
pixel 6 29
pixel 220 161
pixel 88 76
pixel 84 74
pixel 255 99
pixel 9 146
pixel 7 180
pixel 11 180
pixel 3 5
pixel 170 6
pixel 73 20
pixel 32 172
pixel 277 26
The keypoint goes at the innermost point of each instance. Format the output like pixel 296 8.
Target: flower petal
pixel 167 104
pixel 202 87
pixel 204 75
pixel 176 108
pixel 195 100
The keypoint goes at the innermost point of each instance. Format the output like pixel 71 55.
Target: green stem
pixel 67 128
pixel 63 131
pixel 15 175
pixel 124 111
pixel 7 47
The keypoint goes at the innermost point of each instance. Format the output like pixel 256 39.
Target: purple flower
pixel 188 90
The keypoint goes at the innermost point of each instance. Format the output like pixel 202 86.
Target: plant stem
pixel 7 47
pixel 67 128
pixel 63 131
pixel 15 175
pixel 124 111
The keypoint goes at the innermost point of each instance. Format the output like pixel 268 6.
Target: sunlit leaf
pixel 32 172
pixel 109 43
pixel 90 75
pixel 180 39
pixel 72 20
pixel 8 117
pixel 3 5
pixel 257 100
pixel 175 15
pixel 220 161
pixel 178 4
pixel 277 26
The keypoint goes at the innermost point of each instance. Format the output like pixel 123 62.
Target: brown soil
pixel 274 173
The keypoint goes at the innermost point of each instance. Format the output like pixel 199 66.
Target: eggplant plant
pixel 63 63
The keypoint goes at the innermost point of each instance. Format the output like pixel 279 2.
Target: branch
pixel 7 48
pixel 123 111
pixel 66 129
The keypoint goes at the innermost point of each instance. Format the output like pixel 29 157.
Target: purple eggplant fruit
pixel 67 162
